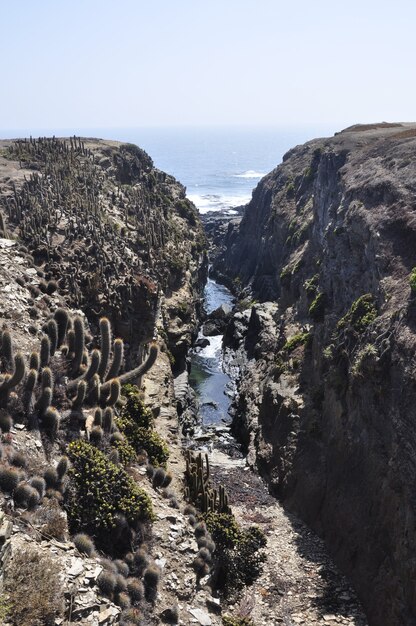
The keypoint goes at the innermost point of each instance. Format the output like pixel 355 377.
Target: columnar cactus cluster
pixel 101 222
pixel 64 370
pixel 198 486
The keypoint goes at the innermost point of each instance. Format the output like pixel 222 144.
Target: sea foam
pixel 250 174
pixel 217 202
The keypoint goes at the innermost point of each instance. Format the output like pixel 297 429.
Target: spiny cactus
pixel 10 381
pixel 79 344
pixel 28 396
pixel 34 361
pixel 44 401
pixel 98 417
pixel 79 399
pixel 47 378
pixel 7 348
pixel 62 318
pixel 118 354
pixel 62 467
pixel 39 484
pixel 52 330
pixel 45 351
pixel 110 392
pixel 105 333
pixel 108 418
pixel 198 487
pixel 50 421
pixel 94 389
pixel 84 544
pixel 141 369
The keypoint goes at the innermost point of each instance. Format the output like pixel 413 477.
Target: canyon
pixel 319 346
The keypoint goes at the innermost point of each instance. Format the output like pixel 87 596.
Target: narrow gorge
pixel 266 448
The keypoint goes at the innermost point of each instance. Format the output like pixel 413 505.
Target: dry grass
pixel 34 589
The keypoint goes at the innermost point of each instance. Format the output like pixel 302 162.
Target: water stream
pixel 213 387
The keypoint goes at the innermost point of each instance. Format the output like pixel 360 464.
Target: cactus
pixel 10 381
pixel 141 369
pixel 34 361
pixel 108 420
pixel 105 332
pixel 62 318
pixel 79 344
pixel 62 467
pixel 81 395
pixel 110 392
pixel 98 417
pixel 47 378
pixel 71 343
pixel 118 353
pixel 44 401
pixel 94 389
pixel 45 351
pixel 52 330
pixel 28 392
pixel 7 348
pixel 50 421
pixel 94 365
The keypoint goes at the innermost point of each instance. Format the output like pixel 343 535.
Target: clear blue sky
pixel 130 63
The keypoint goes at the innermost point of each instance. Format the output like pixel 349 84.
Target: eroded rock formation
pixel 327 397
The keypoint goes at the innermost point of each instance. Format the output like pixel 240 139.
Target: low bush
pixel 52 520
pixel 135 409
pixel 34 588
pixel 144 439
pixel 361 314
pixel 238 557
pixel 100 491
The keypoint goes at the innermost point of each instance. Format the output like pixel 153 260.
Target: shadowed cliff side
pixel 327 397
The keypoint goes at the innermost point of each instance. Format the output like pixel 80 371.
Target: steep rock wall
pixel 326 403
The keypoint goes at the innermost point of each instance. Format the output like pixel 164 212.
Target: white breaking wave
pixel 216 202
pixel 214 349
pixel 250 174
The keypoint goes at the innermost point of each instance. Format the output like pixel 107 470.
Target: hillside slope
pixel 102 222
pixel 327 396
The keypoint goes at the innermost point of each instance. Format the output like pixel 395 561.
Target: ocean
pixel 218 166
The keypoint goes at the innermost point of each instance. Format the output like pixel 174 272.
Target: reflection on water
pixel 207 377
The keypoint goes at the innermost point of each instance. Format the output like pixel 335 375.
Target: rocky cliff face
pixel 112 233
pixel 326 404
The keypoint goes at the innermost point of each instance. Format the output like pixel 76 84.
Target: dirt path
pixel 299 584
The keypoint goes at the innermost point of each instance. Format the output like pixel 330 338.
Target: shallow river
pixel 212 386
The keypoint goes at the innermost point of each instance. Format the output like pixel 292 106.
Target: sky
pixel 137 63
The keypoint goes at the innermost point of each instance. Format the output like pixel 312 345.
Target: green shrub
pixel 300 339
pixel 100 490
pixel 126 452
pixel 361 314
pixel 135 409
pixel 144 439
pixel 317 308
pixel 238 558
